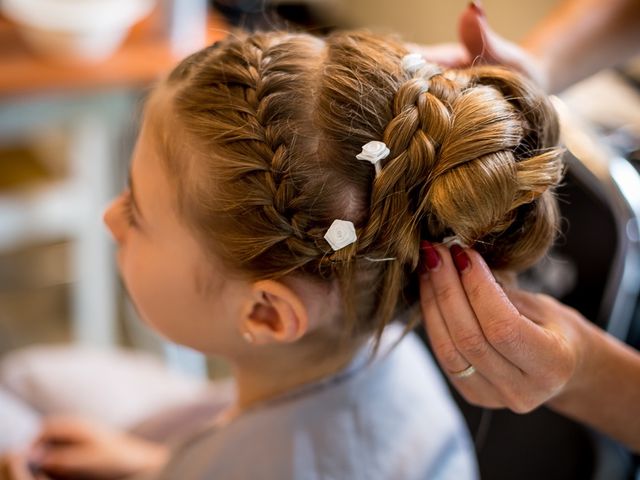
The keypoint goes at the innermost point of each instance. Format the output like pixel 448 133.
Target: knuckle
pixel 445 293
pixel 525 407
pixel 550 304
pixel 549 384
pixel 543 297
pixel 472 344
pixel 426 289
pixel 474 291
pixel 503 333
pixel 566 371
pixel 555 378
pixel 521 408
pixel 517 402
pixel 448 354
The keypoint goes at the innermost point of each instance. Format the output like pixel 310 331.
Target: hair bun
pixel 492 182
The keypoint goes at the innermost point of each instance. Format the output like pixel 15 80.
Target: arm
pixel 581 37
pixel 606 395
pixel 527 349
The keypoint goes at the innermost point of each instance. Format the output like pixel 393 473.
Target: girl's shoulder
pixel 391 417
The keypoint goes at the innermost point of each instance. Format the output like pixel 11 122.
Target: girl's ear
pixel 275 314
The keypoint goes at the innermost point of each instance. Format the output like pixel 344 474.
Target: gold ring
pixel 467 372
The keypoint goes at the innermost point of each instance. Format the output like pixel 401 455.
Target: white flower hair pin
pixel 340 234
pixel 374 152
pixel 413 62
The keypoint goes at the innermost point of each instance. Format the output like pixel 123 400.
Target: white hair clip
pixel 413 62
pixel 374 152
pixel 453 240
pixel 340 234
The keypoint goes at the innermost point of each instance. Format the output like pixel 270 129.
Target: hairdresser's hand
pixel 14 466
pixel 479 44
pixel 68 447
pixel 526 348
pixel 486 46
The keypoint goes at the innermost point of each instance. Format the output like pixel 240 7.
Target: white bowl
pixel 88 30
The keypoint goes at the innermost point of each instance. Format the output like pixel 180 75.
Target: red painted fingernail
pixel 477 7
pixel 460 258
pixel 430 260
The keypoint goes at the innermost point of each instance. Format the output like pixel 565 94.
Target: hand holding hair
pixel 70 447
pixel 526 349
pixel 480 44
pixel 14 466
pixel 484 45
pixel 578 38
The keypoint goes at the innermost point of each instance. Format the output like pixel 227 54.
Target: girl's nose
pixel 114 222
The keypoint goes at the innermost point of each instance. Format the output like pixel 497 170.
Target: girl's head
pixel 248 154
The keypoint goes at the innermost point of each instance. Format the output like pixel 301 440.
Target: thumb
pixel 541 309
pixel 479 39
pixel 66 429
pixel 486 46
pixel 58 432
pixel 14 466
pixel 529 304
pixel 62 461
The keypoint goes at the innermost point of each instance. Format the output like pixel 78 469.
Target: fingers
pixel 465 331
pixel 528 304
pixel 517 339
pixel 530 361
pixel 539 308
pixel 475 388
pixel 478 38
pixel 486 46
pixel 61 443
pixel 470 319
pixel 65 430
pixel 15 467
pixel 444 349
pixel 61 447
pixel 63 461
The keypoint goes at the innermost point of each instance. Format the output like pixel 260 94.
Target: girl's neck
pixel 264 377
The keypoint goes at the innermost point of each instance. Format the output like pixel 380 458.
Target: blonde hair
pixel 273 122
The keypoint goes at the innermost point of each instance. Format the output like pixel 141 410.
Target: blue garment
pixel 386 419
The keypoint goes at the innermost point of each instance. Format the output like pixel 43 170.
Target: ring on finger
pixel 467 372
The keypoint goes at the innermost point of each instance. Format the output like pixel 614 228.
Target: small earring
pixel 248 336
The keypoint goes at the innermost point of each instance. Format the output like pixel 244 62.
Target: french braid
pixel 276 120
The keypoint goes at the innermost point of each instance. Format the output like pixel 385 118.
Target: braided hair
pixel 272 123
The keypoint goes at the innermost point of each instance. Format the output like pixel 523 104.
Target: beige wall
pixel 436 20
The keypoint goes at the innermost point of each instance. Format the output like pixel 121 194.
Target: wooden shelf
pixel 96 104
pixel 145 55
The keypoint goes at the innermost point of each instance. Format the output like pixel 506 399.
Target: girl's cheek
pixel 132 272
pixel 120 261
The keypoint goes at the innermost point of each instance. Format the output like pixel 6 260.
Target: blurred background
pixel 73 75
pixel 72 79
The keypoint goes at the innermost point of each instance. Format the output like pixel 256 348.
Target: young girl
pixel 279 192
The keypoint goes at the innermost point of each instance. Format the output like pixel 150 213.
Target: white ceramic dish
pixel 85 30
